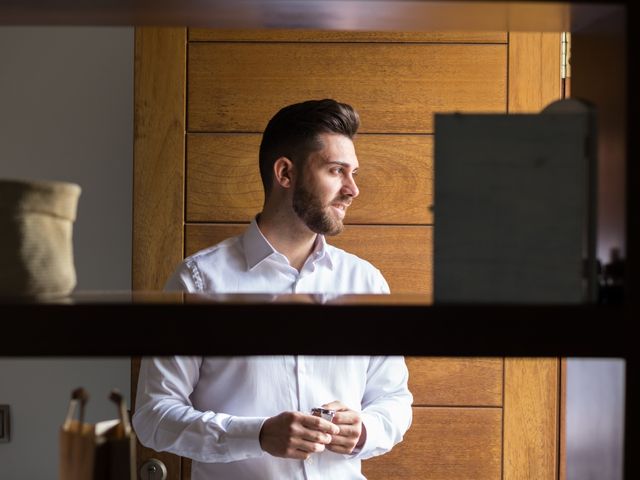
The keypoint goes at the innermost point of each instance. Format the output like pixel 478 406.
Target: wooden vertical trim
pixel 531 418
pixel 158 174
pixel 533 403
pixel 185 465
pixel 566 93
pixel 135 373
pixel 534 71
pixel 159 147
pixel 504 384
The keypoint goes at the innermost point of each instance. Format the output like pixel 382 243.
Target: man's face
pixel 326 186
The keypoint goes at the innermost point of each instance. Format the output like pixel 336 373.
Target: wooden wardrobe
pixel 202 99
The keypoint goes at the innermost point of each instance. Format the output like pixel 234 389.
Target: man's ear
pixel 283 172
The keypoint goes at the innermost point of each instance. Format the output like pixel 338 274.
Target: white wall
pixel 66 113
pixel 595 418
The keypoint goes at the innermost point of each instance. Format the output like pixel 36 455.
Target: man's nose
pixel 350 188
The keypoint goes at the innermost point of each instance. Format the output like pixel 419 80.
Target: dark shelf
pixel 157 324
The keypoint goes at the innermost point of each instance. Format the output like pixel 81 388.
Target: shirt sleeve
pixel 382 284
pixel 185 278
pixel 386 405
pixel 165 419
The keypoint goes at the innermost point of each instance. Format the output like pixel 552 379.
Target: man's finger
pixel 346 417
pixel 316 436
pixel 340 449
pixel 318 423
pixel 347 431
pixel 340 441
pixel 306 446
pixel 335 405
pixel 297 454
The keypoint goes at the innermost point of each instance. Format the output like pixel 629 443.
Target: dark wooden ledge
pixel 155 323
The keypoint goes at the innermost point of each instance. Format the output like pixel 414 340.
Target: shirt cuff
pixel 374 429
pixel 243 437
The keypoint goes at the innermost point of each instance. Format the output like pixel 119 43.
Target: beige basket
pixel 36 229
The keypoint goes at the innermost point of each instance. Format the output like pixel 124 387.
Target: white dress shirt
pixel 211 409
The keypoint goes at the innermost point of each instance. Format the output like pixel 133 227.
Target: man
pixel 250 417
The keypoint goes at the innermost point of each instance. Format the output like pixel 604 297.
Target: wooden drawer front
pixel 444 444
pixel 202 236
pixel 472 382
pixel 395 180
pixel 396 87
pixel 223 178
pixel 403 254
pixel 273 35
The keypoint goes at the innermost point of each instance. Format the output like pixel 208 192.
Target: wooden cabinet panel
pixel 395 179
pixel 274 35
pixel 470 382
pixel 444 444
pixel 531 412
pixel 201 236
pixel 158 166
pixel 403 254
pixel 236 81
pixel 396 87
pixel 534 71
pixel 223 178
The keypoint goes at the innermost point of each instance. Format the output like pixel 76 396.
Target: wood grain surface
pixel 395 179
pixel 444 444
pixel 531 412
pixel 469 382
pixel 158 161
pixel 534 71
pixel 158 177
pixel 306 35
pixel 395 87
pixel 531 405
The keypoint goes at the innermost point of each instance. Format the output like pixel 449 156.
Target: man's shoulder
pixel 358 274
pixel 349 260
pixel 218 252
pixel 194 273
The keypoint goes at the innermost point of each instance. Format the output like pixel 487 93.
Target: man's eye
pixel 337 170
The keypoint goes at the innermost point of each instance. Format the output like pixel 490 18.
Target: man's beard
pixel 311 211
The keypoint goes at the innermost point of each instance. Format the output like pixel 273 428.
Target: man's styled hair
pixel 293 133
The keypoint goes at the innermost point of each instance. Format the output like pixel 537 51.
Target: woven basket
pixel 36 229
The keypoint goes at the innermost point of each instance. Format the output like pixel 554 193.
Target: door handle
pixel 153 469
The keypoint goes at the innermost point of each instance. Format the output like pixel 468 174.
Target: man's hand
pixel 352 431
pixel 296 435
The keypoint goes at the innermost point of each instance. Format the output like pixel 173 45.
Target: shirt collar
pixel 321 252
pixel 257 248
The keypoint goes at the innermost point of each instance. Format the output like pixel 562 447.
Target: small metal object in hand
pixel 324 413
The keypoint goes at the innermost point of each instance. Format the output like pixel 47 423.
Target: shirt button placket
pixel 302 385
pixel 302 402
pixel 298 284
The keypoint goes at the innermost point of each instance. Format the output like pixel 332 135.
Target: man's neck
pixel 289 236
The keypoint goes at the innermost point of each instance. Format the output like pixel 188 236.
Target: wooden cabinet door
pixel 202 98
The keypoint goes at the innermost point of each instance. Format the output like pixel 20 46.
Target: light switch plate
pixel 4 424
